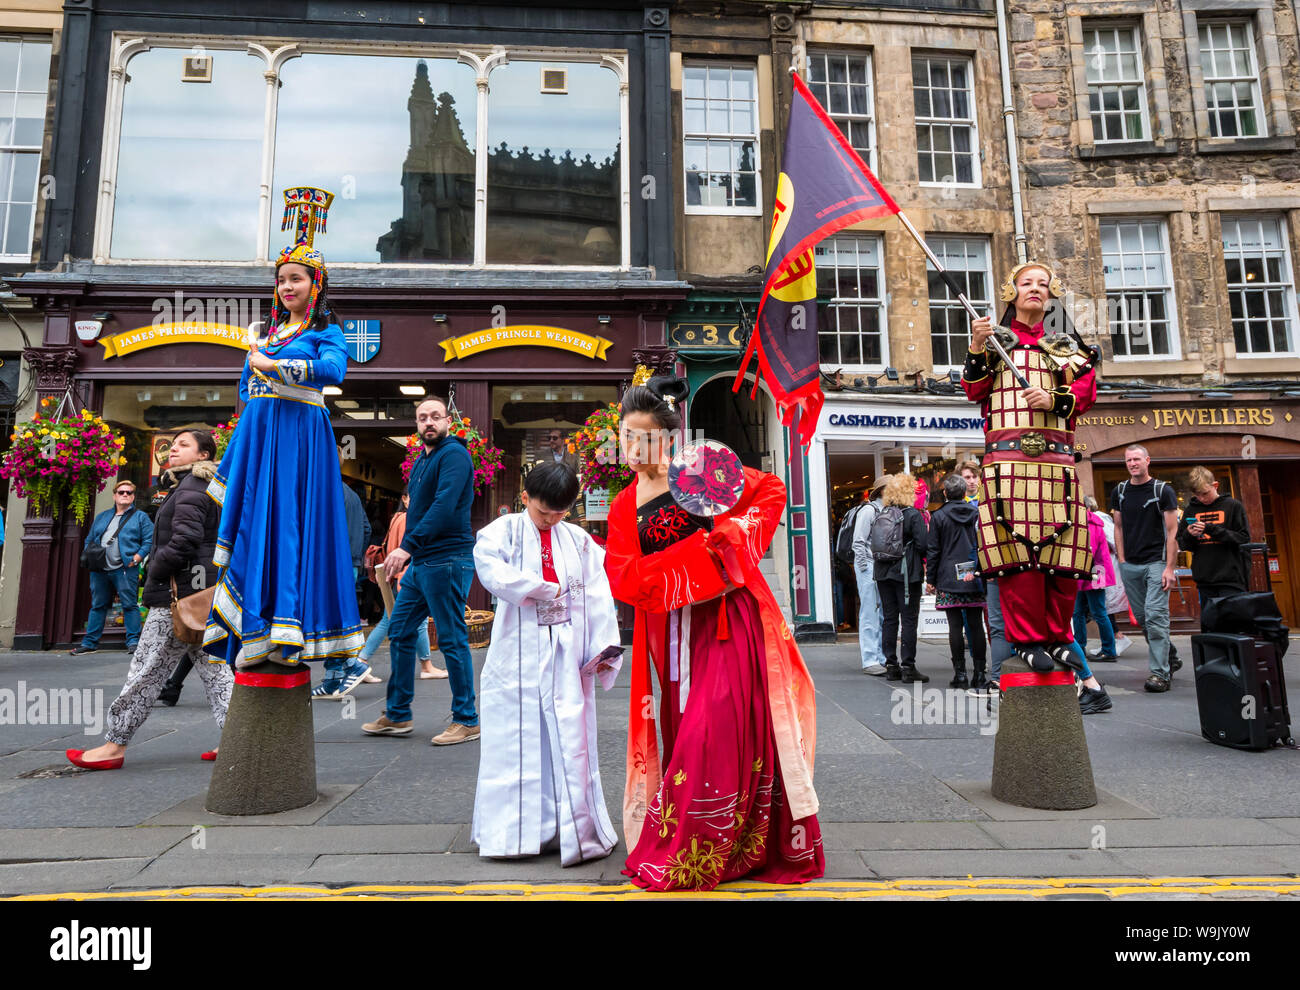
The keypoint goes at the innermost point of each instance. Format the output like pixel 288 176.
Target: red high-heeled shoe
pixel 210 755
pixel 74 757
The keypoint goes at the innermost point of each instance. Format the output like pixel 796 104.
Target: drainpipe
pixel 1009 124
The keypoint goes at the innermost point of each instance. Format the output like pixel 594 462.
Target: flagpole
pixel 961 297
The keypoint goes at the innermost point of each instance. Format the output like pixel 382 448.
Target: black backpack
pixel 844 538
pixel 887 534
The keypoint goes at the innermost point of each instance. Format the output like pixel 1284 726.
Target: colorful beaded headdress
pixel 306 209
pixel 1054 286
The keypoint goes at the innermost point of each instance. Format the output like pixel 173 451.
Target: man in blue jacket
pixel 439 545
pixel 126 535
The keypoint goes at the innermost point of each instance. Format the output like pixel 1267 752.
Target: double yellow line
pixel 912 889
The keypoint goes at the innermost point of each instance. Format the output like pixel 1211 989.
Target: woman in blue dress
pixel 286 592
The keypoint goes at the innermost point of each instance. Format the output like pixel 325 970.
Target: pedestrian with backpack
pixel 864 566
pixel 844 584
pixel 898 541
pixel 1146 542
pixel 958 590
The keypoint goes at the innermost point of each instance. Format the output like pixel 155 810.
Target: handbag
pixel 95 557
pixel 190 614
pixel 374 556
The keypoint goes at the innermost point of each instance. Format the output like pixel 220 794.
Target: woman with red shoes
pixel 185 539
pixel 731 794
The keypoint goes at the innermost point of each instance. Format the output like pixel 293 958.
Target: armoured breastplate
pixel 1008 411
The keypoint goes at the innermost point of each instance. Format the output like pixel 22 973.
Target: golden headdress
pixel 306 209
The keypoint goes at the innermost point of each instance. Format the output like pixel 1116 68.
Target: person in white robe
pixel 554 636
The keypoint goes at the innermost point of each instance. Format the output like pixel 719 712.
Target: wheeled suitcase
pixel 1240 691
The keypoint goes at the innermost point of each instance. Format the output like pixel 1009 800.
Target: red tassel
pixel 724 632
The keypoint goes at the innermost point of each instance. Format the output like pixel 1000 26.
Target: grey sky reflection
pixel 190 157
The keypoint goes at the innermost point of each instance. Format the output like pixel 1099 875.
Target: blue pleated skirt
pixel 282 547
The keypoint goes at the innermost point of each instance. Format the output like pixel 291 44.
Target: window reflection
pixel 553 165
pixel 24 76
pixel 393 137
pixel 189 164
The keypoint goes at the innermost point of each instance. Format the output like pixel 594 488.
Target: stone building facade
pixel 1168 166
pixel 1158 143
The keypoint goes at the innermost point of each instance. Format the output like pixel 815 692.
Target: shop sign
pixel 142 338
pixel 88 331
pixel 908 422
pixel 526 335
pixel 1185 417
pixel 363 339
pixel 688 335
pixel 1235 416
pixel 597 504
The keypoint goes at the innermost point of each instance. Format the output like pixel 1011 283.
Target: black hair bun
pixel 669 387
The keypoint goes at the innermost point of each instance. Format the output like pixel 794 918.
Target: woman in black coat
pixel 952 535
pixel 185 539
pixel 899 578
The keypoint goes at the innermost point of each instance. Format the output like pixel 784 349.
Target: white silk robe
pixel 538 776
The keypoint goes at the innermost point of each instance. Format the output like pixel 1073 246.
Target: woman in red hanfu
pixel 732 795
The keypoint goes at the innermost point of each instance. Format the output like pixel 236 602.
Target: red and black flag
pixel 825 186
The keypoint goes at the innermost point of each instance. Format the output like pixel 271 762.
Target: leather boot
pixel 959 679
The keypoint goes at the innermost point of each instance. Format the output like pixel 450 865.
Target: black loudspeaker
pixel 1240 691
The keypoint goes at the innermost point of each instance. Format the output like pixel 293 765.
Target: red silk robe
pixel 685 573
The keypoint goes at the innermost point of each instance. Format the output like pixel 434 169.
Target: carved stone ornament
pixel 660 360
pixel 656 17
pixel 52 366
pixel 782 23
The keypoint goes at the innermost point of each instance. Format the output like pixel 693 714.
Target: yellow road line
pixel 916 888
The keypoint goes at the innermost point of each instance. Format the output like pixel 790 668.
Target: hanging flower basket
pixel 488 460
pixel 61 463
pixel 222 434
pixel 597 444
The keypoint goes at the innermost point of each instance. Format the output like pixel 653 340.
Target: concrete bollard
pixel 267 759
pixel 1040 756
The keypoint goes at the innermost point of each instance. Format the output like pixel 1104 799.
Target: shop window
pixel 525 417
pixel 851 284
pixel 943 97
pixel 402 148
pixel 1139 288
pixel 553 165
pixel 720 139
pixel 1232 94
pixel 1116 86
pixel 967 261
pixel 24 83
pixel 190 150
pixel 842 84
pixel 397 145
pixel 149 417
pixel 1261 288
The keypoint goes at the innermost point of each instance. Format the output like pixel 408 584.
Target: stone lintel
pixel 1232 204
pixel 1121 206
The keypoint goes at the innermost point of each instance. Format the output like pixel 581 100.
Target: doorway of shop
pixel 717 413
pixel 1281 505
